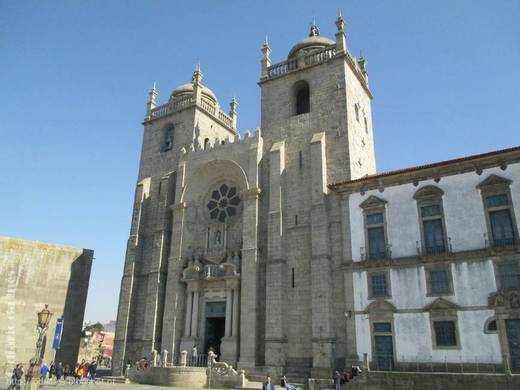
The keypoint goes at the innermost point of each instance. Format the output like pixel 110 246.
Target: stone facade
pixel 35 274
pixel 246 245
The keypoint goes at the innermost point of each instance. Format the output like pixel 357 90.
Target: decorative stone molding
pixel 505 300
pixel 251 193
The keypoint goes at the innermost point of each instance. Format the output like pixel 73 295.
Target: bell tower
pixel 317 129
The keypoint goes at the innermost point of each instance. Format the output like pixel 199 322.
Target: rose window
pixel 223 203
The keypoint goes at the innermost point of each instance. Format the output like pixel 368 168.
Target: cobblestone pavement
pixel 99 385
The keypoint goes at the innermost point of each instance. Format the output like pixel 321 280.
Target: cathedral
pixel 284 250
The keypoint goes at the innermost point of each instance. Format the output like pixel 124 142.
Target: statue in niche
pixel 217 238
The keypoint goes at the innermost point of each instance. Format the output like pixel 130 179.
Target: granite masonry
pixel 250 244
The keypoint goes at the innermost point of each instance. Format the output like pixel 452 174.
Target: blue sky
pixel 74 77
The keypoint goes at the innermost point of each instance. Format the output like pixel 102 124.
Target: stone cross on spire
pixel 197 75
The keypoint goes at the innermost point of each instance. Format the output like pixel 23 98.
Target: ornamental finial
pixel 315 31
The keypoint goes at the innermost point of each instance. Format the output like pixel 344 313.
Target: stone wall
pixel 35 274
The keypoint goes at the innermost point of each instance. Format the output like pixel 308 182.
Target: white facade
pixel 473 275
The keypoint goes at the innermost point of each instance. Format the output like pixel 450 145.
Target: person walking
pixel 44 371
pixel 59 372
pixel 267 384
pixel 16 378
pixel 66 371
pixel 92 367
pixel 34 375
pixel 52 369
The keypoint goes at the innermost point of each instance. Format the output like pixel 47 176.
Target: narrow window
pixel 300 154
pixel 366 125
pixel 429 203
pixel 500 216
pixel 356 108
pixel 292 277
pixel 206 143
pixel 296 219
pixel 376 246
pixel 432 229
pixel 509 275
pixel 500 220
pixel 302 97
pixel 445 335
pixel 168 139
pixel 379 285
pixel 376 236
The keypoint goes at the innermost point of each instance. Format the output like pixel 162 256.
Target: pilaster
pixel 322 312
pixel 275 340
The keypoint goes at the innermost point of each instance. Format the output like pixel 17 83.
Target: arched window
pixel 490 325
pixel 206 143
pixel 168 138
pixel 302 97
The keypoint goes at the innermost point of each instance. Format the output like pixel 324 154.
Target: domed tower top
pixel 312 43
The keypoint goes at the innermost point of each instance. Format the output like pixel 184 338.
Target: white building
pixel 435 262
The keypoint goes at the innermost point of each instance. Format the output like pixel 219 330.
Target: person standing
pixel 194 355
pixel 267 384
pixel 337 380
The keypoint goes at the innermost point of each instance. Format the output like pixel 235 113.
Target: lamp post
pixel 44 317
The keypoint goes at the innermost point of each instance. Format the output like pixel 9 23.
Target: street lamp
pixel 44 317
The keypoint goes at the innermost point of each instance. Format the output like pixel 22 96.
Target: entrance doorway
pixel 513 338
pixel 215 326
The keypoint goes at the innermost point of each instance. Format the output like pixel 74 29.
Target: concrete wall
pixel 34 274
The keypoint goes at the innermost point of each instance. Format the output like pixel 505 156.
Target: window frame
pixel 486 325
pixel 374 205
pixel 496 185
pixel 442 310
pixel 388 294
pixel 431 196
pixel 496 266
pixel 427 275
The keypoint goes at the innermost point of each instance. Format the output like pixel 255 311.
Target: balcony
pixel 375 255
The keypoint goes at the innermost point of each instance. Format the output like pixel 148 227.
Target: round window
pixel 223 203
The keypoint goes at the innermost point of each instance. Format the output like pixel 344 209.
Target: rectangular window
pixel 300 154
pixel 374 219
pixel 433 236
pixel 292 277
pixel 376 236
pixel 445 333
pixel 431 211
pixel 509 275
pixel 440 282
pixel 501 227
pixel 376 243
pixel 497 200
pixel 382 327
pixel 379 285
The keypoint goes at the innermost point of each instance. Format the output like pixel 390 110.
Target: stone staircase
pixel 298 370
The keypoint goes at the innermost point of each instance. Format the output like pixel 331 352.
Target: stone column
pixel 234 328
pixel 228 312
pixel 195 314
pixel 187 324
